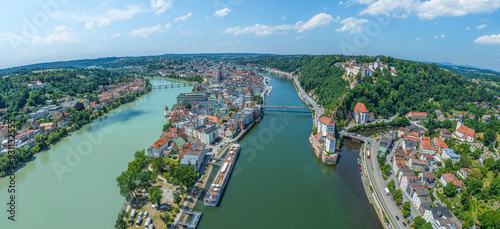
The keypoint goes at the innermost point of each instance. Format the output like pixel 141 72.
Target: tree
pixel 398 196
pixel 495 187
pixel 188 106
pixel 490 219
pixel 419 223
pixel 448 163
pixel 475 173
pixel 387 168
pixel 450 190
pixel 79 106
pixel 144 179
pixel 177 196
pixel 465 161
pixel 120 223
pixel 476 154
pixel 126 183
pixel 407 205
pixel 489 136
pixel 473 185
pixel 158 165
pixel 155 195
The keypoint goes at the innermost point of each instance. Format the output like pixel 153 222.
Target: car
pixel 140 214
pixel 146 214
pixel 154 206
pixel 404 224
pixel 164 206
pixel 397 217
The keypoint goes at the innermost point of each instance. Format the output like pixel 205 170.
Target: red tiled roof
pixel 449 177
pixel 466 131
pixel 418 113
pixel 329 121
pixel 360 107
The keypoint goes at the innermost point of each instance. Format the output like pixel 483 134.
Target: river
pixel 278 182
pixel 73 185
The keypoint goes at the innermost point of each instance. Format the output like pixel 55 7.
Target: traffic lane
pixel 385 199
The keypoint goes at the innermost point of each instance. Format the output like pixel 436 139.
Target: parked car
pixel 163 206
pixel 140 214
pixel 146 214
pixel 154 206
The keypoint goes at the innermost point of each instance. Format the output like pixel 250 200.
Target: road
pixel 379 184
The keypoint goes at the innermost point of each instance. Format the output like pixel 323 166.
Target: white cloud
pixel 300 37
pixel 222 12
pixel 282 17
pixel 229 43
pixel 60 28
pixel 59 37
pixel 493 39
pixel 319 20
pixel 117 35
pixel 184 17
pixel 429 9
pixel 481 26
pixel 146 31
pixel 160 6
pixel 417 38
pixel 442 36
pixel 467 28
pixel 168 25
pixel 352 25
pixel 102 19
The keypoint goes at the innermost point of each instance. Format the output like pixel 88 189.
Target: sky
pixel 465 32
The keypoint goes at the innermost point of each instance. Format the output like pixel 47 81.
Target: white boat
pixel 220 181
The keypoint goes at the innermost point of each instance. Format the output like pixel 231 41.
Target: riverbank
pixel 69 131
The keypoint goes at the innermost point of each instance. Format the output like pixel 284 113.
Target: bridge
pixel 172 85
pixel 194 220
pixel 353 136
pixel 293 108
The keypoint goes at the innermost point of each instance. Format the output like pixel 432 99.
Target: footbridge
pixel 172 85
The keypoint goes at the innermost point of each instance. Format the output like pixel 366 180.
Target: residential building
pixel 157 147
pixel 450 178
pixel 416 115
pixel 426 146
pixel 439 114
pixel 440 218
pixel 463 172
pixel 417 164
pixel 439 144
pixel 208 135
pixel 450 154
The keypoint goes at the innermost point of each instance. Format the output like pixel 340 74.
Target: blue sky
pixel 461 32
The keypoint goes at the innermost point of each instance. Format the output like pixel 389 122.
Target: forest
pixel 417 87
pixel 14 93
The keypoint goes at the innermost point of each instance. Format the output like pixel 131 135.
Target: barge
pixel 221 179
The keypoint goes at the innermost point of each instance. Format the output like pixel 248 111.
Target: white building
pixel 330 143
pixel 209 134
pixel 440 218
pixel 326 125
pixel 157 148
pixel 361 114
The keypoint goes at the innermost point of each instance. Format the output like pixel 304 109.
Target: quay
pixel 194 221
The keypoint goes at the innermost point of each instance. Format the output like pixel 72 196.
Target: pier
pixel 218 161
pixel 196 216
